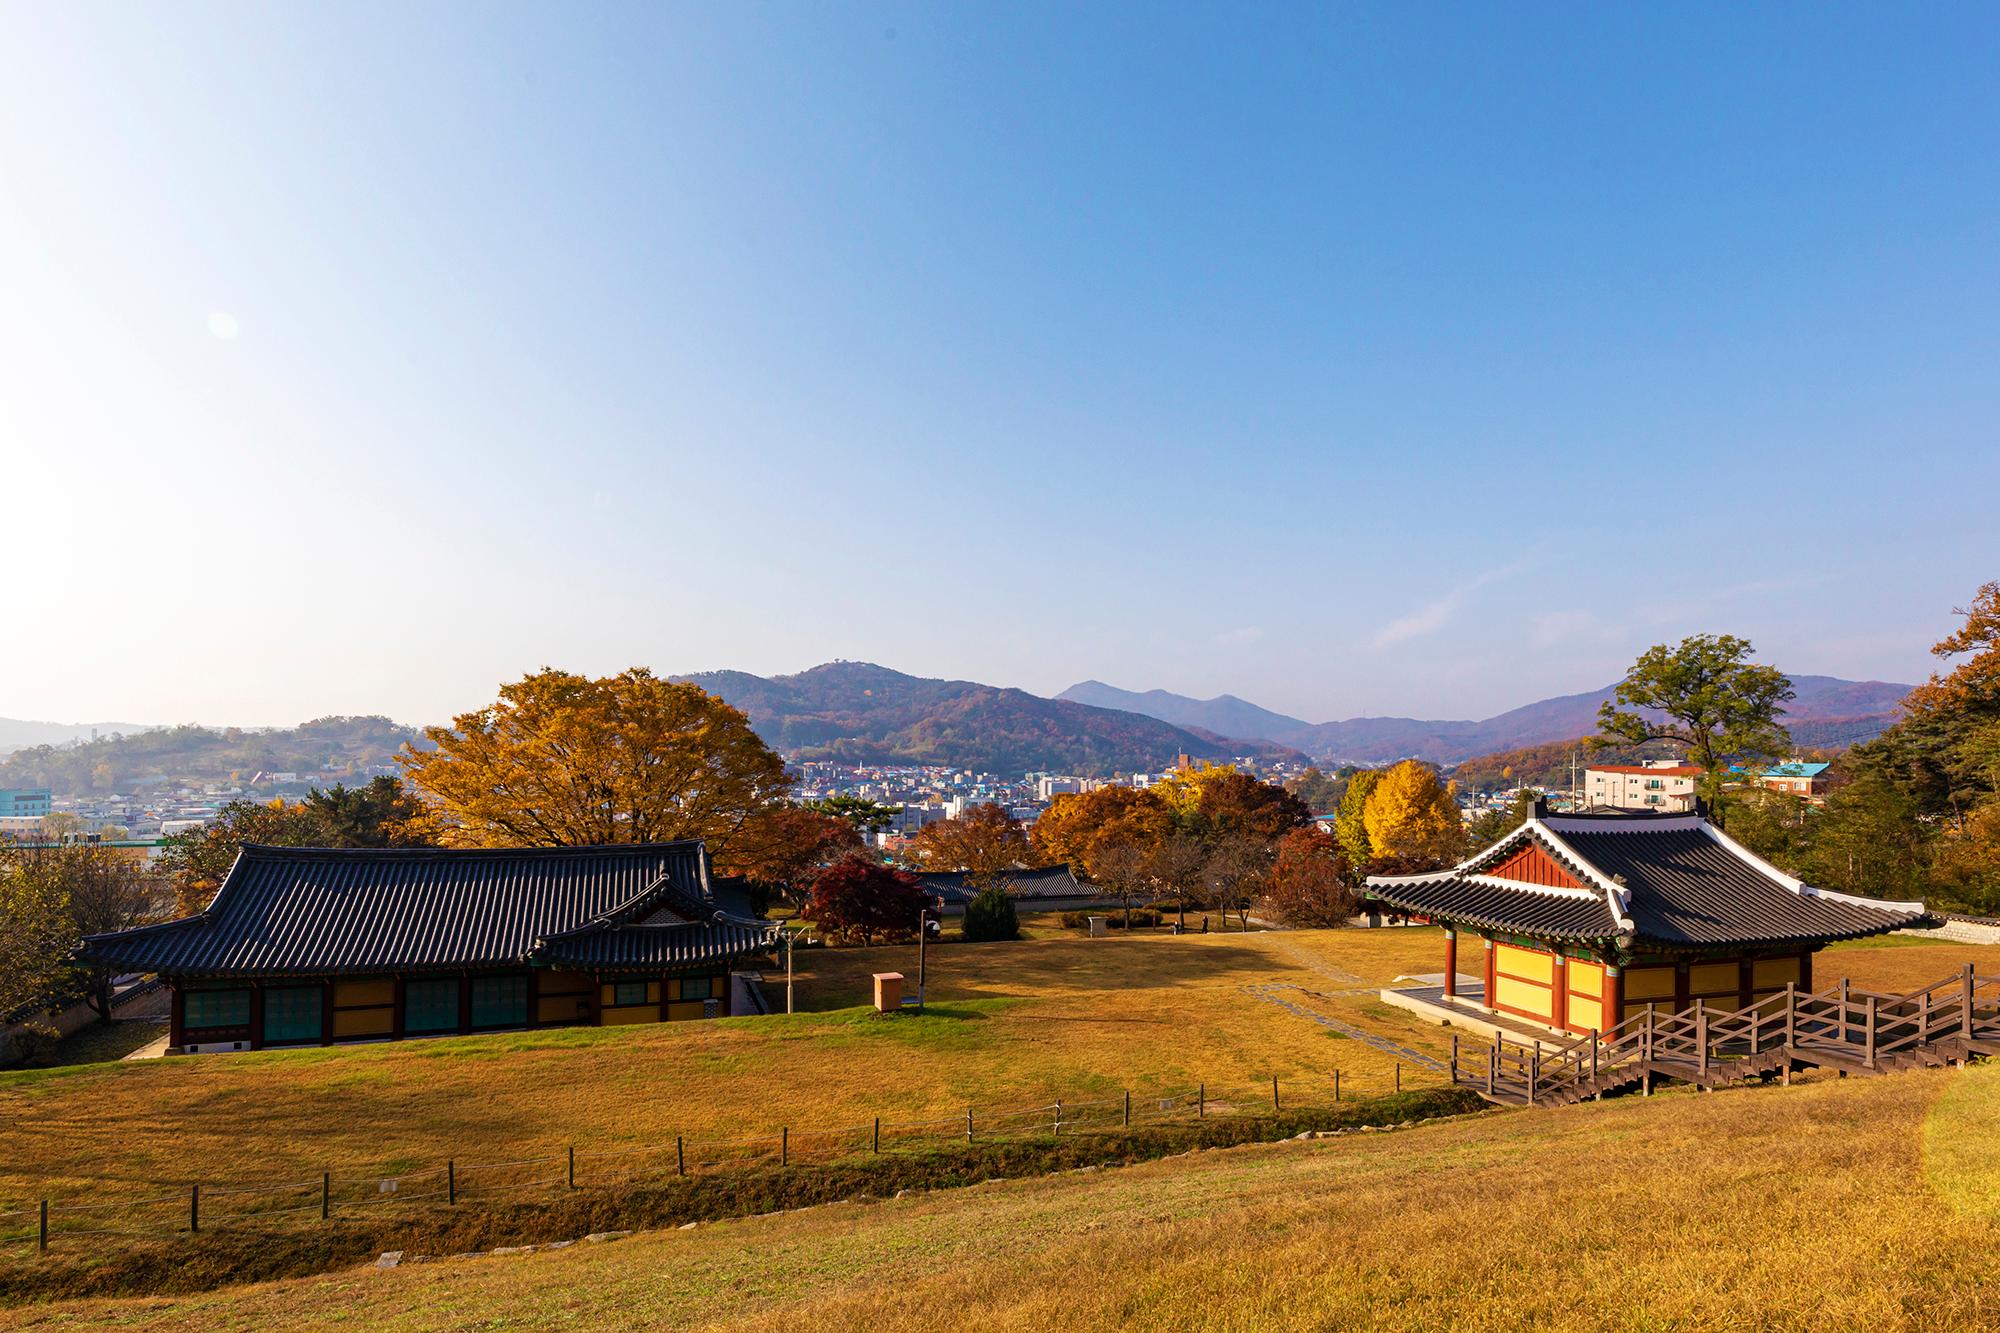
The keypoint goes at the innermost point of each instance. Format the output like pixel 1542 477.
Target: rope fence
pixel 197 1206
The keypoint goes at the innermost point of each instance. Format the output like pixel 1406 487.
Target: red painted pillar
pixel 534 995
pixel 1614 995
pixel 1450 962
pixel 464 1002
pixel 1559 974
pixel 256 1016
pixel 396 1030
pixel 1491 1000
pixel 326 1014
pixel 176 1016
pixel 1805 971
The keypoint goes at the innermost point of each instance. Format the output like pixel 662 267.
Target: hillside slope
pixel 857 712
pixel 1856 1204
pixel 1828 712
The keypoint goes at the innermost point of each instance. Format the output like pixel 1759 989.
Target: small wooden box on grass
pixel 888 992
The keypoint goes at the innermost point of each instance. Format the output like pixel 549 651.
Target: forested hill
pixel 856 712
pixel 328 749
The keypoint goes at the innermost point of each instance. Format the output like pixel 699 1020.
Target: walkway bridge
pixel 1855 1032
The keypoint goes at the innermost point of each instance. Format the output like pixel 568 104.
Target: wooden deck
pixel 1856 1032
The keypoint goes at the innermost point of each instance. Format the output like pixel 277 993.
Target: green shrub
pixel 991 916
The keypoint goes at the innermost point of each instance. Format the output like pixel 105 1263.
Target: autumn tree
pixel 1410 815
pixel 1350 823
pixel 102 890
pixel 1118 869
pixel 985 841
pixel 1182 789
pixel 1321 791
pixel 1076 823
pixel 1238 804
pixel 1175 867
pixel 1310 883
pixel 793 844
pixel 1235 871
pixel 1704 696
pixel 561 760
pixel 857 901
pixel 36 937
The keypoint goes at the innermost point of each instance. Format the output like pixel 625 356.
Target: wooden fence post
pixel 194 1208
pixel 1701 1036
pixel 1275 1106
pixel 785 1146
pixel 1336 1085
pixel 1454 1059
pixel 325 1195
pixel 1492 1065
pixel 45 1225
pixel 572 1166
pixel 1868 1037
pixel 878 1135
pixel 451 1182
pixel 1128 1108
pixel 680 1156
pixel 968 1126
pixel 1399 1076
pixel 1534 1072
pixel 1056 1126
pixel 1966 990
pixel 1201 1102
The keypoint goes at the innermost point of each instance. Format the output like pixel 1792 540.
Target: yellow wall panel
pixel 1586 978
pixel 561 1008
pixel 1774 973
pixel 364 1023
pixel 347 994
pixel 1713 979
pixel 684 1009
pixel 1524 963
pixel 636 1013
pixel 555 981
pixel 1649 983
pixel 1522 995
pixel 1585 1013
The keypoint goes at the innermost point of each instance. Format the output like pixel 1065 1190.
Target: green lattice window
pixel 499 1002
pixel 292 1013
pixel 695 988
pixel 216 1009
pixel 430 1006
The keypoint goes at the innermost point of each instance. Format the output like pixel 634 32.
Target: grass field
pixel 1833 1204
pixel 1010 1025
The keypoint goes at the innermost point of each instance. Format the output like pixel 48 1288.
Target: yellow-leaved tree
pixel 1411 816
pixel 1182 789
pixel 561 760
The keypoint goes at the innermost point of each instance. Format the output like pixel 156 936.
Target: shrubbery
pixel 991 916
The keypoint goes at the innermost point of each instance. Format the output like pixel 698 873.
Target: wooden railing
pixel 1954 1018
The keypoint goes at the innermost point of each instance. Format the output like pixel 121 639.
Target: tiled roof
pixel 1672 881
pixel 319 912
pixel 1043 882
pixel 1640 770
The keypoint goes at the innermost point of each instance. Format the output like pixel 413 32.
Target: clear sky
pixel 1395 359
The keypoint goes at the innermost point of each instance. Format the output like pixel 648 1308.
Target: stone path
pixel 1271 993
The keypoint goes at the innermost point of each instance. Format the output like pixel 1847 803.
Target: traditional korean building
pixel 308 946
pixel 1579 921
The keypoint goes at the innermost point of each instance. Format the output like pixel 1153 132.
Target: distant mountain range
pixel 1828 712
pixel 860 713
pixel 16 734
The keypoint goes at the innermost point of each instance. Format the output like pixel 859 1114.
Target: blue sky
pixel 1398 359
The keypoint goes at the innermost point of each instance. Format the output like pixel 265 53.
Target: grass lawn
pixel 1011 1025
pixel 1859 1203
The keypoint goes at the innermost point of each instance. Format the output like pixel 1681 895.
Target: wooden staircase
pixel 1856 1032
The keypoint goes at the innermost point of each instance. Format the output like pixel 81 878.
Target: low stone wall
pixel 1961 930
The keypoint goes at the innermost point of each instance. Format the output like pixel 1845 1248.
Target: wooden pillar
pixel 1488 941
pixel 396 1029
pixel 729 987
pixel 256 1015
pixel 534 995
pixel 1805 971
pixel 1559 1002
pixel 176 1015
pixel 326 1013
pixel 1614 995
pixel 465 1002
pixel 1681 1000
pixel 666 994
pixel 1746 969
pixel 1450 963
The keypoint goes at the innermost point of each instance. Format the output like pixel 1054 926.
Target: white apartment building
pixel 1657 784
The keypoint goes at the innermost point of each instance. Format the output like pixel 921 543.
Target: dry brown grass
pixel 1832 1204
pixel 1011 1025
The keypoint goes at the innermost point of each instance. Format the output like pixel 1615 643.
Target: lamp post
pixel 789 937
pixel 927 925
